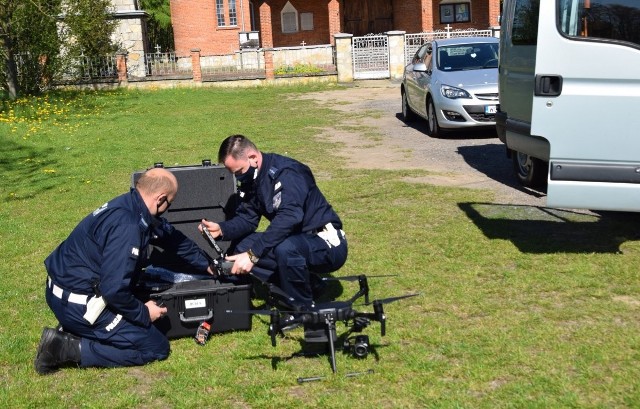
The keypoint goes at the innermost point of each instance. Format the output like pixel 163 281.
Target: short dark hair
pixel 235 146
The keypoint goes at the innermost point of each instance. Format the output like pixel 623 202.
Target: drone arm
pixel 376 315
pixel 364 290
pixel 378 311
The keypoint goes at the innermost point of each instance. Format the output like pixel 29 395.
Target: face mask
pixel 245 181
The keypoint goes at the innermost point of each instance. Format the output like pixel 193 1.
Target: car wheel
pixel 531 172
pixel 432 127
pixel 407 113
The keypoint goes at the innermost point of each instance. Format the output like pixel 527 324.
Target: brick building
pixel 219 26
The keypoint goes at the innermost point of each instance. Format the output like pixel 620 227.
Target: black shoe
pixel 56 349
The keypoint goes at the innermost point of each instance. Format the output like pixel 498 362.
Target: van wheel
pixel 531 172
pixel 432 121
pixel 407 114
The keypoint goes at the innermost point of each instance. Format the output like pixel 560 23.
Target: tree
pixel 33 40
pixel 159 28
pixel 29 55
pixel 90 26
pixel 10 74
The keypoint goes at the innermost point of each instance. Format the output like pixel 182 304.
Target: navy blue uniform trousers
pixel 292 261
pixel 111 341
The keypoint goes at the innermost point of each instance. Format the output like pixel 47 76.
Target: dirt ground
pixel 375 137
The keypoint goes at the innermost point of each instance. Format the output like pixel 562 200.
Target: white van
pixel 569 113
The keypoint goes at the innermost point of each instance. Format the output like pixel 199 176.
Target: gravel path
pixel 468 159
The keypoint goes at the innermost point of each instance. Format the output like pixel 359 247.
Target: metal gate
pixel 370 57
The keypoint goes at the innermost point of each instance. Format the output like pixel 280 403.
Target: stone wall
pixel 131 34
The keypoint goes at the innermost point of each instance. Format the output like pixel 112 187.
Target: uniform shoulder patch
pixel 100 209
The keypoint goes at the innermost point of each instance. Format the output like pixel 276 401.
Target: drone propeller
pixel 362 280
pixel 378 310
pixel 247 312
pixel 392 299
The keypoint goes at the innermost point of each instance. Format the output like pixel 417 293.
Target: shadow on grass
pixel 23 170
pixel 544 230
pixel 322 351
pixel 491 160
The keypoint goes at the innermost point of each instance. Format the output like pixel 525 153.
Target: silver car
pixel 453 84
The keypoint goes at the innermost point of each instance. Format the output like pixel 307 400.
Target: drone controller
pixel 220 265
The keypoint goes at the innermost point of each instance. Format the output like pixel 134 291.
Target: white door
pixel 587 102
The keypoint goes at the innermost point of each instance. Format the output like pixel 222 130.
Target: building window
pixel 306 21
pixel 233 15
pixel 455 13
pixel 221 15
pixel 289 18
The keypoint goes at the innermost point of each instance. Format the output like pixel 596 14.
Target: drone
pixel 319 321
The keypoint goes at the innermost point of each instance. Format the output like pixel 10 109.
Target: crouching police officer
pixel 91 277
pixel 304 234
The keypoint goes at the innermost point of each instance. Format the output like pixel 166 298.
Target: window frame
pixel 458 12
pixel 226 13
pixel 306 21
pixel 220 14
pixel 287 27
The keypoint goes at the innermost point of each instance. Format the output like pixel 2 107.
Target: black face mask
pixel 245 181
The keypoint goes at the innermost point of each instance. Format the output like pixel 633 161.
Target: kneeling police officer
pixel 92 273
pixel 304 233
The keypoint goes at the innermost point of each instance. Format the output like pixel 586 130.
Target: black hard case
pixel 204 191
pixel 191 302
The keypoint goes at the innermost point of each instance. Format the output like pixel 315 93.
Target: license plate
pixel 490 109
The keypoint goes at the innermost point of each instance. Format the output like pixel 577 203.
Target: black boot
pixel 57 349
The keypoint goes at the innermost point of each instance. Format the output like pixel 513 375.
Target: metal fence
pixel 370 55
pixel 413 41
pixel 370 60
pixel 164 64
pixel 97 67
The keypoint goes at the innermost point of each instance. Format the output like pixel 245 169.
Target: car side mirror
pixel 420 67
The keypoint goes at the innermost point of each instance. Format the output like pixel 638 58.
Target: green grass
pixel 519 306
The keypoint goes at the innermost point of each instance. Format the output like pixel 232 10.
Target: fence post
pixel 121 67
pixel 396 54
pixel 344 57
pixel 268 63
pixel 196 69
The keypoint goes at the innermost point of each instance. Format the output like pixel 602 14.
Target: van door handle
pixel 548 85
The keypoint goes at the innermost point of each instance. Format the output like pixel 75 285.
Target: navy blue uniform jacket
pixel 285 193
pixel 109 246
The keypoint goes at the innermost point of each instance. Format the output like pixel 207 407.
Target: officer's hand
pixel 214 228
pixel 155 311
pixel 241 263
